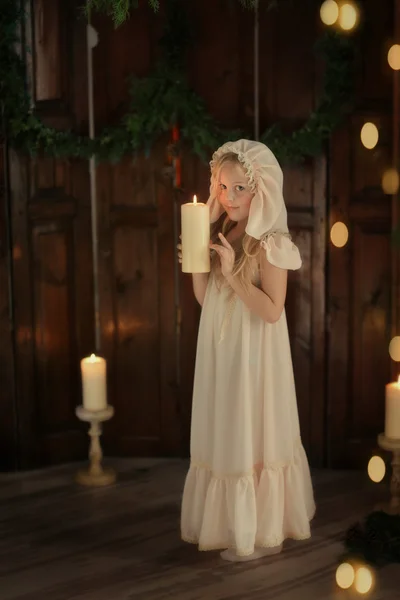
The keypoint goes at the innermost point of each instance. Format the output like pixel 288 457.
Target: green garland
pixel 164 98
pixel 120 10
pixel 376 541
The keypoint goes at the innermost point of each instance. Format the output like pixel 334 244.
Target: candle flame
pixel 398 380
pixel 195 199
pixel 93 359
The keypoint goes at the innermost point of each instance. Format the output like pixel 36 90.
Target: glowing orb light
pixel 363 580
pixel 394 348
pixel 369 135
pixel 376 469
pixel 345 576
pixel 329 12
pixel 339 234
pixel 394 57
pixel 348 16
pixel 390 182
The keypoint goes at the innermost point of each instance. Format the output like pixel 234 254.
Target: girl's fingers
pixel 224 241
pixel 217 248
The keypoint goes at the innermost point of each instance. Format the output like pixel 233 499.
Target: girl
pixel 248 487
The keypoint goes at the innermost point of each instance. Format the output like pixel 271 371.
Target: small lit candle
pixel 195 217
pixel 392 414
pixel 94 386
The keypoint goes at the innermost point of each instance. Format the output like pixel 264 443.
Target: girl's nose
pixel 230 197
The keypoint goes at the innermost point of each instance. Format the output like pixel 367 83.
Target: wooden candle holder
pixel 95 475
pixel 393 446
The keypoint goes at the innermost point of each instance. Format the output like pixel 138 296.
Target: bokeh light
pixel 339 234
pixel 345 576
pixel 348 16
pixel 369 135
pixel 390 181
pixel 329 12
pixel 394 348
pixel 376 469
pixel 363 580
pixel 394 57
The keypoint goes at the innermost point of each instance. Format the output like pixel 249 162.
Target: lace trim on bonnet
pixel 247 165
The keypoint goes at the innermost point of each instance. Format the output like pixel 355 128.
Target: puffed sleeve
pixel 281 252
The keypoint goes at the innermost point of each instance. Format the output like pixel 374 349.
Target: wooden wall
pixel 360 294
pixel 50 316
pixel 8 433
pixel 51 278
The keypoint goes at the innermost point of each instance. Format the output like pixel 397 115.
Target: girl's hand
pixel 226 254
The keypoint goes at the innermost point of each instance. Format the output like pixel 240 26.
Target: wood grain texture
pixel 48 49
pixel 52 295
pixel 360 298
pixel 8 422
pixel 395 221
pixel 63 542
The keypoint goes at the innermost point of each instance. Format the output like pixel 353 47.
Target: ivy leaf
pixel 164 98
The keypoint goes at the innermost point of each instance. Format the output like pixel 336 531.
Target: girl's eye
pixel 240 188
pixel 222 186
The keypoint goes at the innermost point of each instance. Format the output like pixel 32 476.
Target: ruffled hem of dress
pixel 258 509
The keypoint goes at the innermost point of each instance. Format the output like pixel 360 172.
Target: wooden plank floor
pixel 59 541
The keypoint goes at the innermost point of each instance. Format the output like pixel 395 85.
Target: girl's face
pixel 234 193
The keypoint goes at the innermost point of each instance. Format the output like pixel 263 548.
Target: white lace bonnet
pixel 268 215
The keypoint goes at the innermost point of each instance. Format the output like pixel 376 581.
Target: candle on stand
pixel 392 412
pixel 94 383
pixel 195 218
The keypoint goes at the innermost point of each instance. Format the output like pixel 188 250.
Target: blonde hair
pixel 249 247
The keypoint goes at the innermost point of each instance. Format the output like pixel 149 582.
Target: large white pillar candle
pixel 195 218
pixel 94 383
pixel 392 413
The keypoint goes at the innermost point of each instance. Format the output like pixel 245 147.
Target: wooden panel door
pixel 53 308
pixel 137 307
pixel 51 255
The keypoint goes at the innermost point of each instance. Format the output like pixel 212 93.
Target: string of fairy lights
pixel 345 16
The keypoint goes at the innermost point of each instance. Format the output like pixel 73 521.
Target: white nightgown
pixel 249 483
